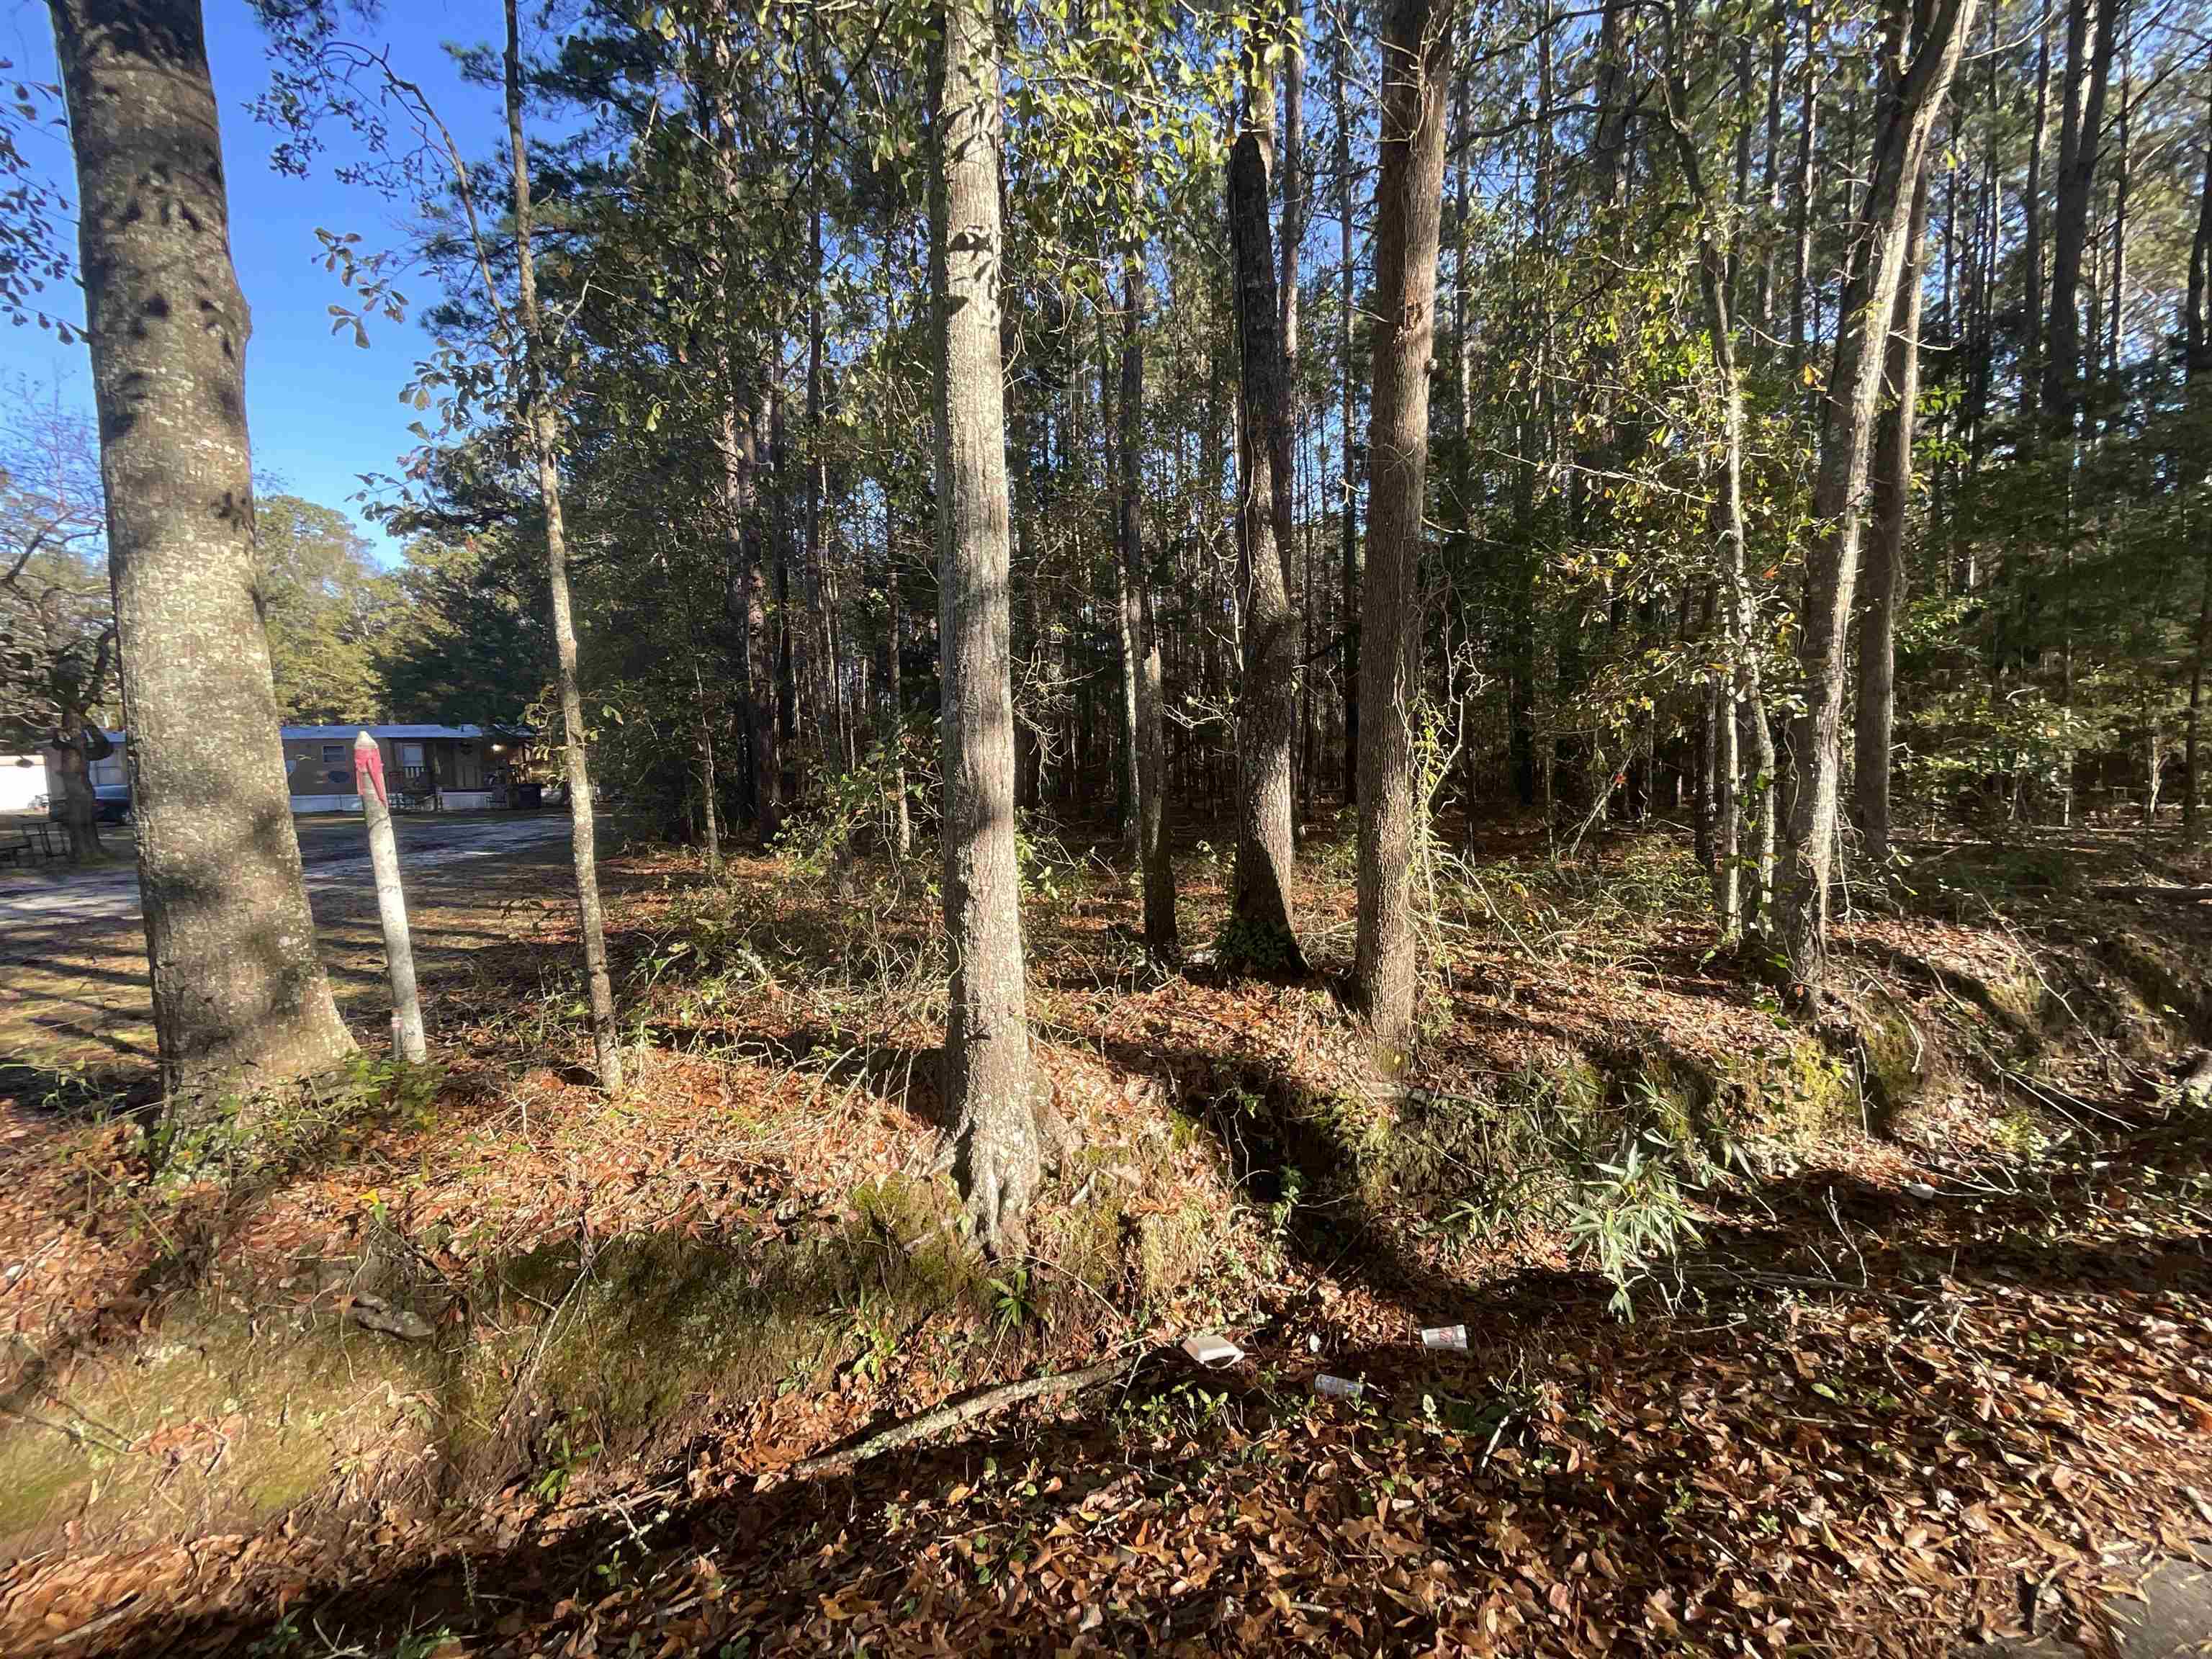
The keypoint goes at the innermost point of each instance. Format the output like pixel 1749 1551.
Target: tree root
pixel 962 1411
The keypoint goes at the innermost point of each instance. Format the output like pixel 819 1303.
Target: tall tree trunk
pixel 1408 226
pixel 997 1148
pixel 1738 687
pixel 1260 932
pixel 824 689
pixel 895 725
pixel 2197 323
pixel 1293 187
pixel 239 995
pixel 1771 163
pixel 1886 565
pixel 2190 801
pixel 783 549
pixel 2196 349
pixel 2116 312
pixel 1153 855
pixel 2093 28
pixel 606 1045
pixel 740 454
pixel 2031 207
pixel 1911 106
pixel 1348 515
pixel 1802 204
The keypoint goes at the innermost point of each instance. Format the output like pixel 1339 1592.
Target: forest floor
pixel 1777 1340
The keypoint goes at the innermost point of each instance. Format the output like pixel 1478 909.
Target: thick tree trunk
pixel 2093 29
pixel 1409 225
pixel 239 995
pixel 998 1151
pixel 79 743
pixel 1910 109
pixel 1286 461
pixel 606 1044
pixel 1260 932
pixel 1153 856
pixel 1886 564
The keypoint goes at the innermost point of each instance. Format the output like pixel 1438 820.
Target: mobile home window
pixel 410 754
pixel 334 754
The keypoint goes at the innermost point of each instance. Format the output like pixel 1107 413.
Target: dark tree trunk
pixel 2093 28
pixel 996 1146
pixel 1348 516
pixel 79 743
pixel 2031 207
pixel 1910 108
pixel 1886 563
pixel 1409 225
pixel 606 1044
pixel 1153 856
pixel 1260 932
pixel 239 995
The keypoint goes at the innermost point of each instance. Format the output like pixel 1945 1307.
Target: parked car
pixel 113 803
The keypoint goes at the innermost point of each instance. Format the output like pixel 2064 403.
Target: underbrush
pixel 407 1289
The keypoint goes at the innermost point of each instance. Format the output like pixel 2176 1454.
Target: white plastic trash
pixel 1340 1388
pixel 1211 1348
pixel 1444 1336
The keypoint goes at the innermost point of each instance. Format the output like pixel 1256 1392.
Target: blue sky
pixel 320 410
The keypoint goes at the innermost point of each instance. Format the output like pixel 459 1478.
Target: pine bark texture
pixel 997 1153
pixel 1409 226
pixel 239 995
pixel 1262 932
pixel 606 1044
pixel 1908 111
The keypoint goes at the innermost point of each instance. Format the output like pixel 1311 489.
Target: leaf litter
pixel 1858 1419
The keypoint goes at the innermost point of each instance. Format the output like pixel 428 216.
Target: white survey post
pixel 391 903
